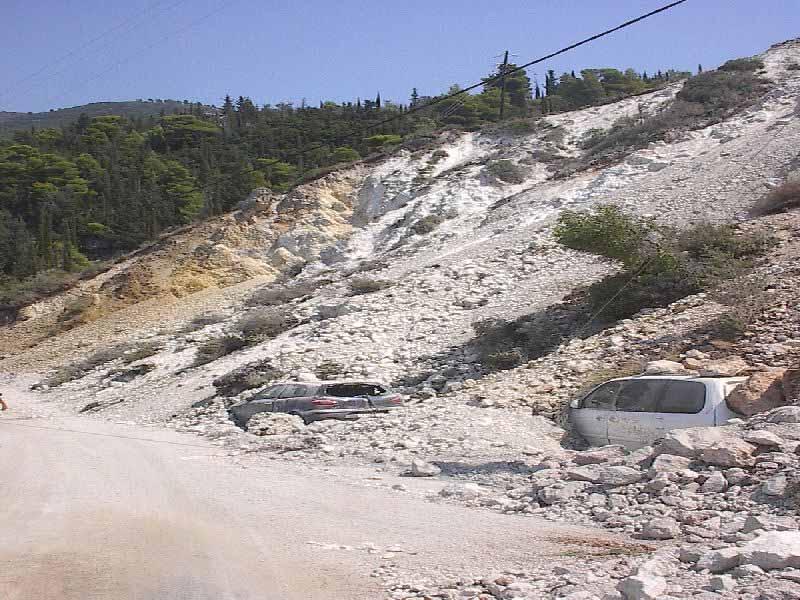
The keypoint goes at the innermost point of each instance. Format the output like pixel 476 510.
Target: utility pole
pixel 503 85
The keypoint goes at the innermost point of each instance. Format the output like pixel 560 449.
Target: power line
pixel 162 40
pixel 125 26
pixel 483 82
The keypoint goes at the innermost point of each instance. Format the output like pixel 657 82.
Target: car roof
pixel 681 378
pixel 331 382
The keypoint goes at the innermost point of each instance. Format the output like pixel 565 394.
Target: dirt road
pixel 96 510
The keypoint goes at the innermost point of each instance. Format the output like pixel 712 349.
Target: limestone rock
pixel 661 529
pixel 762 391
pixel 726 367
pixel 420 468
pixel 785 414
pixel 664 367
pixel 642 587
pixel 605 475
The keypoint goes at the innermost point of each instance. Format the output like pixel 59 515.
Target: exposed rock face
pixel 762 391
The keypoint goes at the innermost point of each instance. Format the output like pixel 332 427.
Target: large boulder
pixel 724 367
pixel 603 455
pixel 668 463
pixel 561 492
pixel 605 475
pixel 770 550
pixel 642 587
pixel 763 391
pixel 712 445
pixel 664 367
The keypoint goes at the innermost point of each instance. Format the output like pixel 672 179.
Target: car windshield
pixel 349 390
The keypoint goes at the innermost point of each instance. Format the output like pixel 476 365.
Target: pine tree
pixel 414 97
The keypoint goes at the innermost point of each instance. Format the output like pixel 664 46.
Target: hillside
pixel 131 109
pixel 403 267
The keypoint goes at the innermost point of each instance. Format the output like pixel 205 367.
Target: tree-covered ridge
pixel 101 186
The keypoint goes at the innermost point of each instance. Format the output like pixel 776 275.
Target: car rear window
pixel 687 397
pixel 349 390
pixel 602 398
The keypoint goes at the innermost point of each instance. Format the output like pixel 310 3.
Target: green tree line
pixel 104 185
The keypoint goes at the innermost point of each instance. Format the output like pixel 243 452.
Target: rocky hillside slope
pixel 383 270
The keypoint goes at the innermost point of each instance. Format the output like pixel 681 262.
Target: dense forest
pixel 101 186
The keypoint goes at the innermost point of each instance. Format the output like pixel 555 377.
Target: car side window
pixel 686 397
pixel 271 392
pixel 291 391
pixel 602 398
pixel 640 395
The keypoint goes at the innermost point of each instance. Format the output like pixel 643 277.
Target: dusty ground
pixel 102 510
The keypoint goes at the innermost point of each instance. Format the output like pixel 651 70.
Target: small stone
pixel 661 529
pixel 642 587
pixel 716 483
pixel 420 468
pixel 722 583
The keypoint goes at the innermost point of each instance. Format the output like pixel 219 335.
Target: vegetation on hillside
pixel 660 264
pixel 100 186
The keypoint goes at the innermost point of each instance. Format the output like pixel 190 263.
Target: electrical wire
pixel 122 28
pixel 483 82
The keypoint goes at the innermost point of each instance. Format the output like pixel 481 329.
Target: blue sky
pixel 278 51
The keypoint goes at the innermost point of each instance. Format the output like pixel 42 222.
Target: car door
pixel 291 398
pixel 590 416
pixel 684 404
pixel 634 422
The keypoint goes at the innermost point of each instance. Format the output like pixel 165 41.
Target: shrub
pixel 506 171
pixel 427 224
pixel 743 65
pixel 127 352
pixel 382 140
pixel 727 326
pixel 76 307
pixel 264 323
pixel 202 321
pixel 277 293
pixel 782 199
pixel 504 360
pixel 328 369
pixel 608 232
pixel 703 100
pixel 365 285
pixel 661 264
pixel 218 347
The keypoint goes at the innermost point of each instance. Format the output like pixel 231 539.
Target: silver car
pixel 636 411
pixel 313 401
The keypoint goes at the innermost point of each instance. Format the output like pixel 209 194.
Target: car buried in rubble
pixel 317 400
pixel 636 411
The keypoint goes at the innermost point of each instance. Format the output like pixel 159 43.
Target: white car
pixel 636 411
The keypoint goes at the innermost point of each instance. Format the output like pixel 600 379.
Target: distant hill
pixel 14 121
